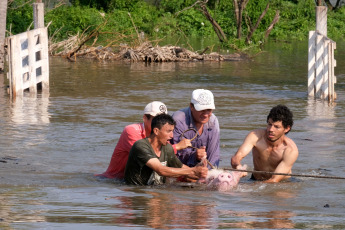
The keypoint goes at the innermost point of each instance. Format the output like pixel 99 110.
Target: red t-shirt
pixel 117 165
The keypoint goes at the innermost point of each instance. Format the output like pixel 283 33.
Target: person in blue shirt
pixel 202 124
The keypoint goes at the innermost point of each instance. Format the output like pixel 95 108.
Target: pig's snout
pixel 224 177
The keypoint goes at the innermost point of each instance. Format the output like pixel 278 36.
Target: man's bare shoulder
pixel 258 133
pixel 290 142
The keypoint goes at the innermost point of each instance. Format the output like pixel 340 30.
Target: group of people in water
pixel 180 145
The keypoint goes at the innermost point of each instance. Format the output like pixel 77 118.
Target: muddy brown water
pixel 52 146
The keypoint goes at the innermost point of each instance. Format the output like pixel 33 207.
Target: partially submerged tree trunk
pixel 3 14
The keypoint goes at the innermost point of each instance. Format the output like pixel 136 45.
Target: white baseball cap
pixel 202 99
pixel 154 108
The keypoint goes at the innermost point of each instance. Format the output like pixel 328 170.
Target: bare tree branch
pixel 251 32
pixel 189 7
pixel 239 6
pixel 275 20
pixel 204 11
pixel 216 27
pixel 14 8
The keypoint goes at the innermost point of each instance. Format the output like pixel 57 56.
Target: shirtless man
pixel 272 150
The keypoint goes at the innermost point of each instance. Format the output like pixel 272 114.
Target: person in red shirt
pixel 130 135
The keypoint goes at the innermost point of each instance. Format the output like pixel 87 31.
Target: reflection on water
pixel 30 110
pixel 164 211
pixel 51 145
pixel 318 110
pixel 12 211
pixel 265 220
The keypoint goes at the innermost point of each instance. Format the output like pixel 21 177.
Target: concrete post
pixel 38 15
pixel 321 20
pixel 3 13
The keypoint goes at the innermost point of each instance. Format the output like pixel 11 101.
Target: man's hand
pixel 184 143
pixel 235 162
pixel 244 167
pixel 201 153
pixel 200 172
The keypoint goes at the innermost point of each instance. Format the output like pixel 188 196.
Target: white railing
pixel 321 63
pixel 28 61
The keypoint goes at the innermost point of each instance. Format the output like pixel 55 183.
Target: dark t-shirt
pixel 137 172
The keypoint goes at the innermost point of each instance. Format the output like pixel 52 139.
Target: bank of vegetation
pixel 107 26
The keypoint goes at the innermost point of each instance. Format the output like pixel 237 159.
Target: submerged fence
pixel 321 63
pixel 28 61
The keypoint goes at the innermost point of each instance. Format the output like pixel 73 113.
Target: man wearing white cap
pixel 199 117
pixel 129 136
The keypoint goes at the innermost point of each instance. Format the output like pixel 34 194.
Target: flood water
pixel 51 146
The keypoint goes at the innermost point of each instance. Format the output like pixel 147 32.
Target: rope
pixel 209 163
pixel 285 174
pixel 196 134
pixel 191 129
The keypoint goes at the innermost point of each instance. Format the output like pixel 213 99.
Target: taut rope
pixel 285 174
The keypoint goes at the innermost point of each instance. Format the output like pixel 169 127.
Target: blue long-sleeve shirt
pixel 210 138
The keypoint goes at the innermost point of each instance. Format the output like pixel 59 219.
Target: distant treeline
pixel 236 23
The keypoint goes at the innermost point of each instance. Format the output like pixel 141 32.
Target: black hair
pixel 283 114
pixel 160 120
pixel 148 116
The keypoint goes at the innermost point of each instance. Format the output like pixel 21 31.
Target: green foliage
pixel 19 17
pixel 159 19
pixel 296 19
pixel 145 16
pixel 167 24
pixel 336 25
pixel 174 6
pixel 193 22
pixel 72 20
pixel 107 5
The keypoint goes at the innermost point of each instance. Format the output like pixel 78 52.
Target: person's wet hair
pixel 160 120
pixel 283 114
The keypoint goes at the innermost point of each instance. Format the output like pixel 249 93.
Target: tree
pixel 239 6
pixel 3 14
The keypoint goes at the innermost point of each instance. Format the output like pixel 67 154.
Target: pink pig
pixel 224 180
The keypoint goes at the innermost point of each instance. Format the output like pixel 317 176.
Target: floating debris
pixel 145 52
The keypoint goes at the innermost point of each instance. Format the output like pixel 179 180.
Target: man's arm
pixel 289 158
pixel 184 143
pixel 184 154
pixel 193 173
pixel 247 145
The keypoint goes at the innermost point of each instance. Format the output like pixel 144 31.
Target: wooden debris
pixel 145 52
